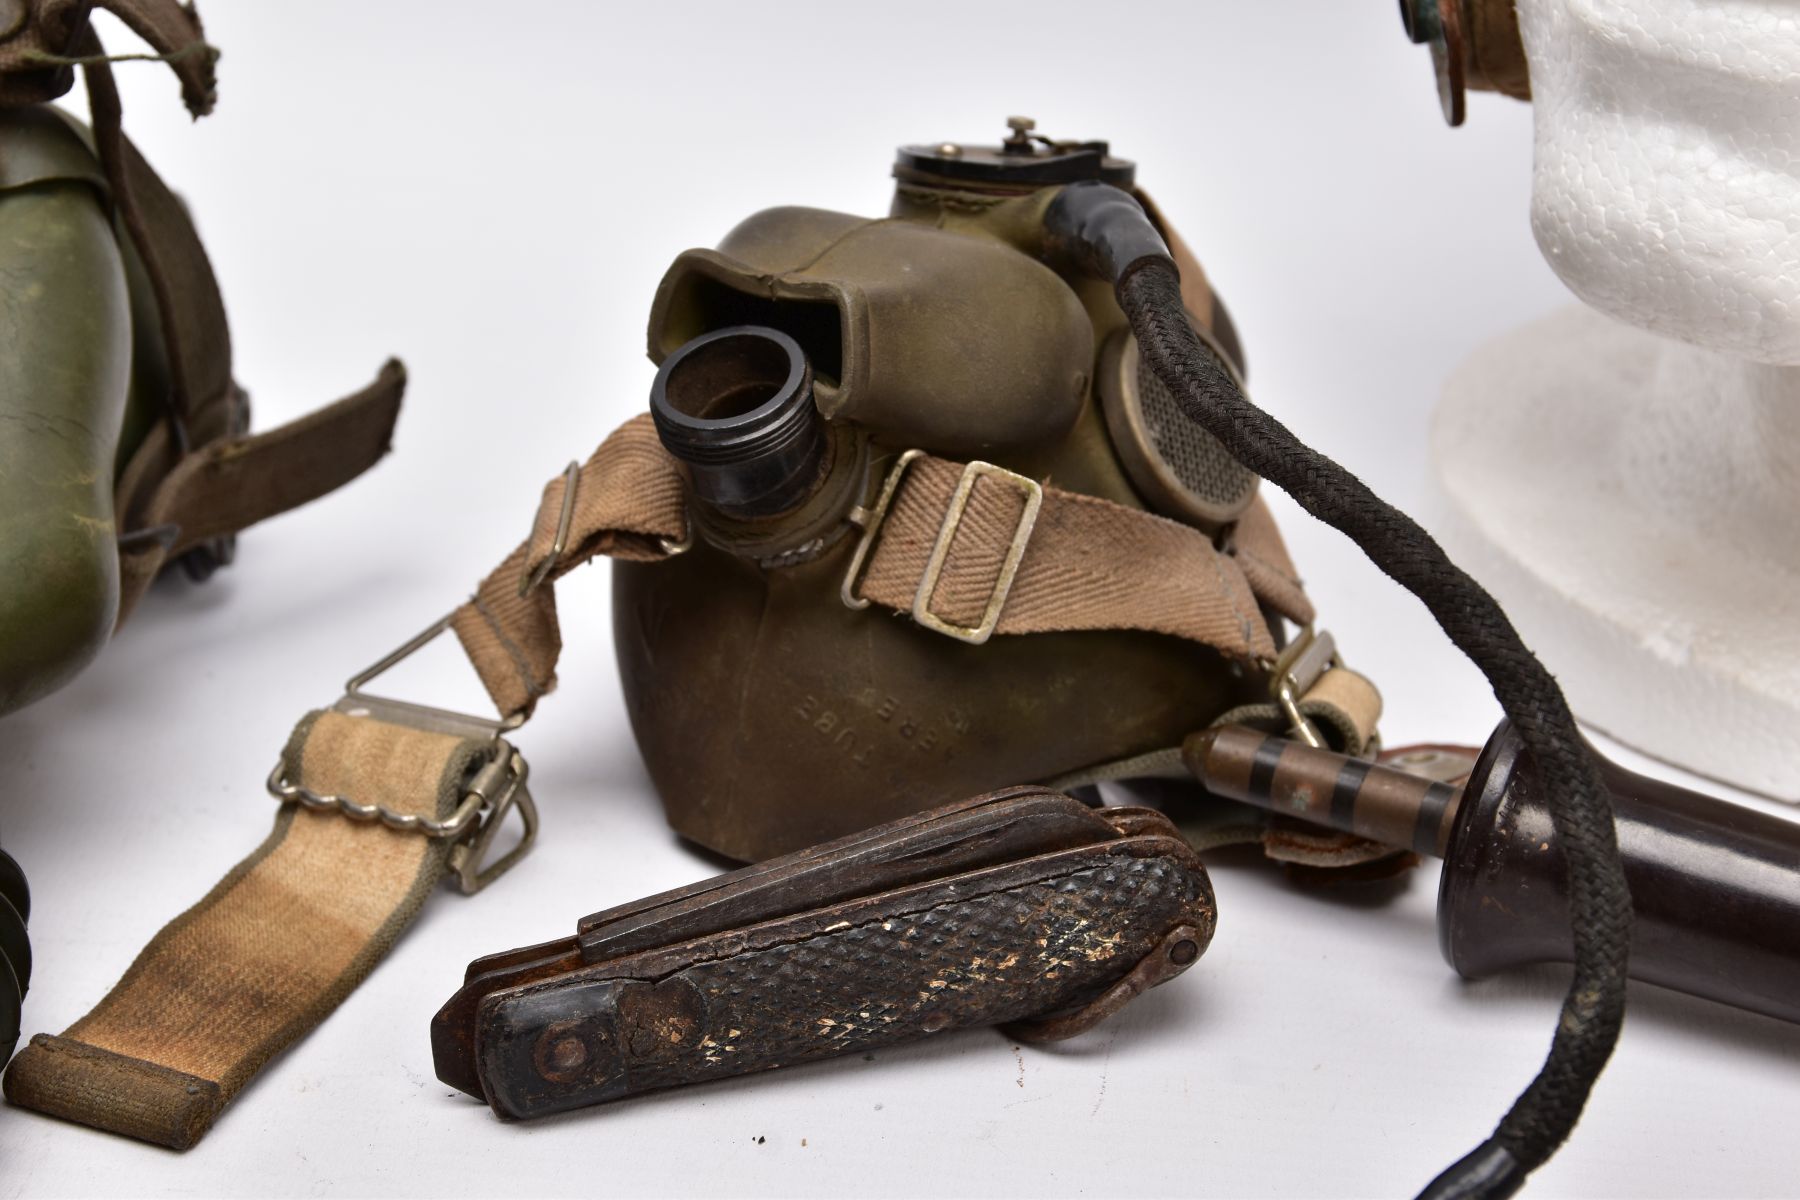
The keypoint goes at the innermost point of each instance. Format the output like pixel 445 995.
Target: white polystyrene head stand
pixel 1629 484
pixel 1666 190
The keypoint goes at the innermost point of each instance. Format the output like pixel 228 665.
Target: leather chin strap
pixel 182 501
pixel 286 936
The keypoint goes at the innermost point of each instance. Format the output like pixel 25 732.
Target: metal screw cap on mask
pixel 736 406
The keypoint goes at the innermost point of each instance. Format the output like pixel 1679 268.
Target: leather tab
pixel 229 485
pixel 114 1092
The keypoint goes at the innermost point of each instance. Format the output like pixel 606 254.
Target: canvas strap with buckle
pixel 968 550
pixel 382 799
pixel 284 937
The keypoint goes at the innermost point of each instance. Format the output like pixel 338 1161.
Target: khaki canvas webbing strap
pixel 629 502
pixel 231 484
pixel 1263 557
pixel 1087 564
pixel 270 951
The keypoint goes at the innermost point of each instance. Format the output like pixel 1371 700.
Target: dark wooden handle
pixel 1715 886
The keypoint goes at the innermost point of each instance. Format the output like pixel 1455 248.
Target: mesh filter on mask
pixel 1181 469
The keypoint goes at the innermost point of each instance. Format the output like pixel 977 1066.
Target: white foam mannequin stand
pixel 1626 476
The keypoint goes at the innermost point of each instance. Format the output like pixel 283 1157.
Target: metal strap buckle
pixel 871 521
pixel 496 787
pixel 532 578
pixel 1303 661
pixel 976 634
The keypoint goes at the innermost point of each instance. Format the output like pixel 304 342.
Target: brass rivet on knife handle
pixel 1324 788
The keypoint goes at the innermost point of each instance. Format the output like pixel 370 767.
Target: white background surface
pixel 492 191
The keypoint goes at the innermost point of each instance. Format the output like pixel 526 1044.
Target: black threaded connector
pixel 736 406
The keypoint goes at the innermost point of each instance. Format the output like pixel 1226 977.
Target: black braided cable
pixel 1581 812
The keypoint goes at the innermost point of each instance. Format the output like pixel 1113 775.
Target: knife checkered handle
pixel 1063 938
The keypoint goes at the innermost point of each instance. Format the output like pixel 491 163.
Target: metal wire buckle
pixel 496 788
pixel 564 520
pixel 1300 665
pixel 870 520
pixel 976 634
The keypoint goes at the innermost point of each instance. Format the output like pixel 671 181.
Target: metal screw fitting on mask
pixel 736 406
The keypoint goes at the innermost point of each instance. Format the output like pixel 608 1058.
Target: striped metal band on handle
pixel 1324 788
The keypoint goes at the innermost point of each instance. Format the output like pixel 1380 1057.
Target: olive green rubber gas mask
pixel 945 530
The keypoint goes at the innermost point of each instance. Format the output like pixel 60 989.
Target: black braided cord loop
pixel 1600 904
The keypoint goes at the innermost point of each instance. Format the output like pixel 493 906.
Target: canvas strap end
pixel 230 484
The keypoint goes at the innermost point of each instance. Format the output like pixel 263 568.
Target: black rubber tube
pixel 1149 290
